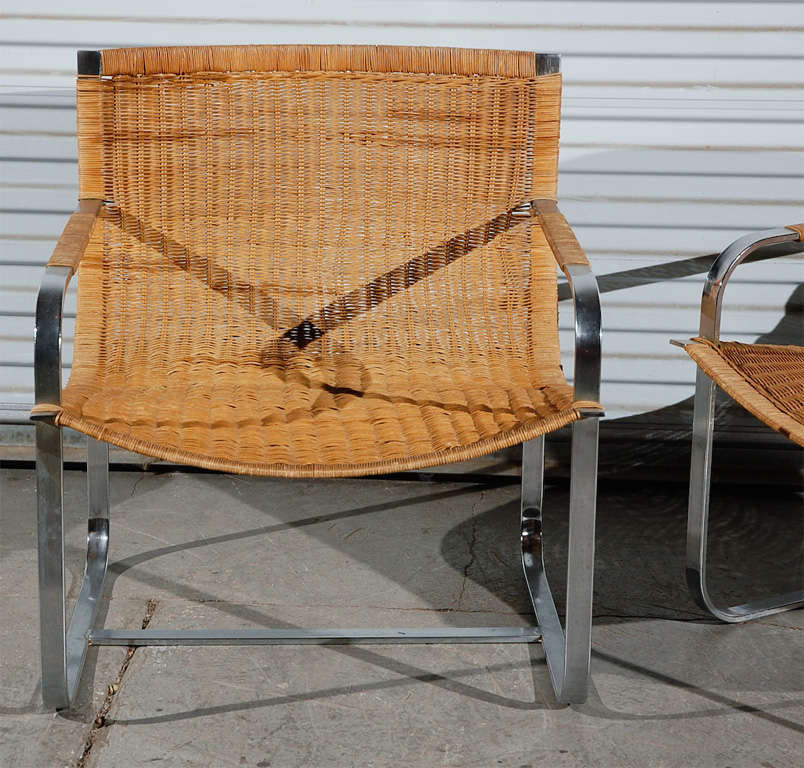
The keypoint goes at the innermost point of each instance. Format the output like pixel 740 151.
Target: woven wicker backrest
pixel 272 201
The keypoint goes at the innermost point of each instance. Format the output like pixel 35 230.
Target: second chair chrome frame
pixel 64 645
pixel 761 245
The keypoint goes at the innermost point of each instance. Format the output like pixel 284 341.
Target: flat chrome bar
pixel 63 649
pixel 49 494
pixel 50 530
pixel 581 559
pixel 15 413
pixel 98 478
pixel 533 479
pixel 586 298
pixel 531 528
pixel 703 422
pixel 86 607
pixel 314 636
pixel 568 654
pixel 766 606
pixel 97 558
pixel 47 334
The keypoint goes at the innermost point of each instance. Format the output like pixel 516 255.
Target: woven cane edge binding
pixel 291 58
pixel 89 97
pixel 436 458
pixel 708 357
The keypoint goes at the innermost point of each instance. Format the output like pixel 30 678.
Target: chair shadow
pixel 755 549
pixel 640 556
pixel 654 590
pixel 446 680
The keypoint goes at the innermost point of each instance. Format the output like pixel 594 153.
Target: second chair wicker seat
pixel 766 379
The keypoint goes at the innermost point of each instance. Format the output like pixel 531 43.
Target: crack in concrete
pixel 779 626
pixel 136 483
pixel 102 720
pixel 472 552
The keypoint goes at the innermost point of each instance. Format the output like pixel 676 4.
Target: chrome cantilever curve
pixel 63 650
pixel 568 650
pixel 767 244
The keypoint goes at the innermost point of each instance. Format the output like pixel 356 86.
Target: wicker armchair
pixel 317 261
pixel 766 379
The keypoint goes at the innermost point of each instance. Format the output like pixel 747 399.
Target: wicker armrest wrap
pixel 559 234
pixel 74 239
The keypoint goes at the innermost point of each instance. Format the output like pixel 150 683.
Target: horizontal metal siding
pixel 682 129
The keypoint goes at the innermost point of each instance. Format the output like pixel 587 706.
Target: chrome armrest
pixel 50 303
pixel 47 334
pixel 586 298
pixel 766 244
pixel 572 260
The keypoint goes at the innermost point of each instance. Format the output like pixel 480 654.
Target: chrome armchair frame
pixel 64 646
pixel 760 245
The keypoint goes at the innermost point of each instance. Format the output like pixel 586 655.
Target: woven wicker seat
pixel 318 261
pixel 342 414
pixel 766 379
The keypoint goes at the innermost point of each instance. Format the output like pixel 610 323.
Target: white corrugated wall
pixel 683 127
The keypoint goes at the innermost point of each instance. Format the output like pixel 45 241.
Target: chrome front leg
pixel 568 653
pixel 86 607
pixel 50 529
pixel 64 649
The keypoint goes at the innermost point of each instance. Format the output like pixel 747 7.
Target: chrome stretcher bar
pixel 398 636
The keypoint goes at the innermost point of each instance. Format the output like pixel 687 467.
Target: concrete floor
pixel 671 688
